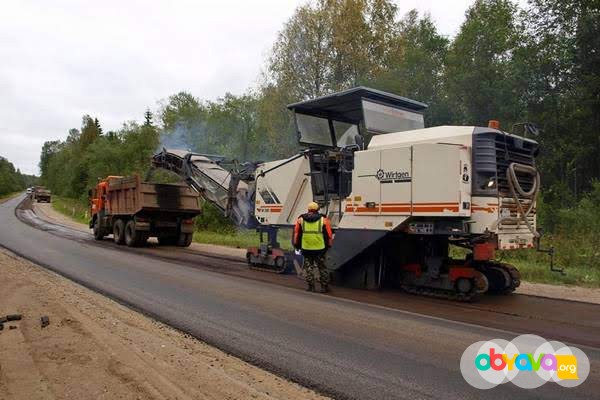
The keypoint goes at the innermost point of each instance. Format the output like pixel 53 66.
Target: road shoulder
pixel 97 348
pixel 9 196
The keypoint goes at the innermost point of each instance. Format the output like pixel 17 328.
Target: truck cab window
pixel 381 118
pixel 346 134
pixel 313 130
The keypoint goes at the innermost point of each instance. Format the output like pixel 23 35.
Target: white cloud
pixel 114 58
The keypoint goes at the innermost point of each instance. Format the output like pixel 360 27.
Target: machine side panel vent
pixel 493 152
pixel 484 164
pixel 511 149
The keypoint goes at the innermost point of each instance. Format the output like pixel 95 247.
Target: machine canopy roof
pixel 341 119
pixel 348 104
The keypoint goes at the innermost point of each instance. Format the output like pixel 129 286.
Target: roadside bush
pixel 575 234
pixel 213 220
pixel 75 208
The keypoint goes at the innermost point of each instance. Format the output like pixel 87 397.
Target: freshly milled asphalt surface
pixel 339 347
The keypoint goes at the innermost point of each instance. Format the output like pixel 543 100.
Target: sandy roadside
pixel 574 293
pixel 95 348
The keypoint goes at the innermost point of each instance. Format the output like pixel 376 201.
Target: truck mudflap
pixel 187 226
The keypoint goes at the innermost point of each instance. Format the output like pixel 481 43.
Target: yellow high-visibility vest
pixel 312 235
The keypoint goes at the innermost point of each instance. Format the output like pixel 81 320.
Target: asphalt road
pixel 339 347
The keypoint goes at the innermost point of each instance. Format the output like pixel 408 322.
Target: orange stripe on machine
pixel 405 207
pixel 276 208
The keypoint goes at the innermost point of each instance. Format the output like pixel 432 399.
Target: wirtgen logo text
pixel 528 361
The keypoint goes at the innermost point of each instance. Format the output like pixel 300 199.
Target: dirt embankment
pixel 95 348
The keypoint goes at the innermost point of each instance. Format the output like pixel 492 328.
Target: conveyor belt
pixel 214 183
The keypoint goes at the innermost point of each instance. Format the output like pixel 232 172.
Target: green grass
pixel 240 239
pixel 8 196
pixel 577 253
pixel 72 208
pixel 532 271
pixel 535 266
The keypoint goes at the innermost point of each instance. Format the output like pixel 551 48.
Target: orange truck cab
pixel 98 195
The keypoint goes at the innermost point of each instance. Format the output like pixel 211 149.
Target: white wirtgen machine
pixel 398 194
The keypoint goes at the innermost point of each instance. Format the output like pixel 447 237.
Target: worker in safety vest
pixel 312 235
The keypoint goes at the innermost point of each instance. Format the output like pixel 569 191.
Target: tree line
pixel 72 166
pixel 12 180
pixel 538 64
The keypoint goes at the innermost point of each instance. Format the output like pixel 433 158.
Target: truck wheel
pixel 184 239
pixel 118 231
pixel 98 234
pixel 132 237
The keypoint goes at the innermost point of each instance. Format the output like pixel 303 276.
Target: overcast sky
pixel 113 58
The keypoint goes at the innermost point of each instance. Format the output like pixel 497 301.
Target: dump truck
pixel 398 194
pixel 132 211
pixel 41 194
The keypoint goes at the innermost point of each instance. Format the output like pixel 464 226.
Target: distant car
pixel 29 190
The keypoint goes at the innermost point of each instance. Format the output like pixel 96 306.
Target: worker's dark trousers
pixel 314 268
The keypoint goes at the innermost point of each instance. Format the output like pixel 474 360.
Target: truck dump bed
pixel 128 196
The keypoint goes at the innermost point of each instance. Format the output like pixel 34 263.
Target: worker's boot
pixel 311 287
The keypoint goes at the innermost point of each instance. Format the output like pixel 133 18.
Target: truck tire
pixel 133 238
pixel 98 233
pixel 185 239
pixel 119 231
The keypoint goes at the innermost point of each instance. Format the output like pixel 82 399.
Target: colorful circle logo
pixel 528 361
